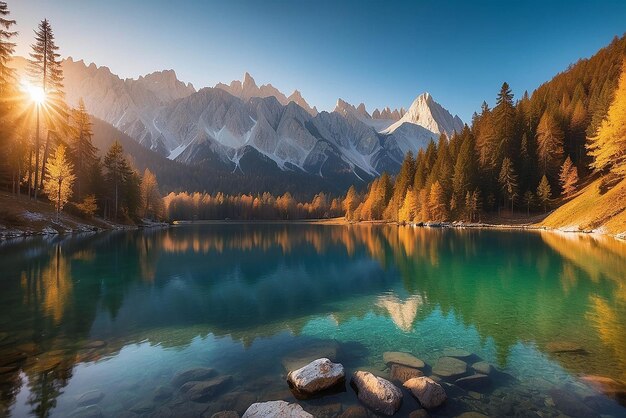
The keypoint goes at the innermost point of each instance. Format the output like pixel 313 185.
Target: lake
pixel 102 323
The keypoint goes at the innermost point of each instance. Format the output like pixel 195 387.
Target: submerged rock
pixel 570 404
pixel 457 353
pixel 609 387
pixel 95 344
pixel 429 393
pixel 401 373
pixel 319 375
pixel 377 393
pixel 276 409
pixel 203 391
pixel 354 411
pixel 474 382
pixel 449 367
pixel 90 398
pixel 565 347
pixel 404 359
pixel 483 367
pixel 91 411
pixel 225 414
pixel 193 375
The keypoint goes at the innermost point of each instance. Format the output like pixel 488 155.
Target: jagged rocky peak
pixel 248 89
pixel 344 108
pixel 388 114
pixel 297 98
pixel 426 112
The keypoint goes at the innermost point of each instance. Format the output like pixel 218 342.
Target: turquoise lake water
pixel 118 314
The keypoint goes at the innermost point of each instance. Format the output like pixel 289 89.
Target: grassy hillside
pixel 598 207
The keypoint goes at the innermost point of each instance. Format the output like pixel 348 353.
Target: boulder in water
pixel 317 376
pixel 429 393
pixel 377 393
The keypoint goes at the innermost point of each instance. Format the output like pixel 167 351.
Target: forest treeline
pixel 249 207
pixel 524 155
pixel 520 156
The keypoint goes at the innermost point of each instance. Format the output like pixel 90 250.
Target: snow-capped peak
pixel 426 112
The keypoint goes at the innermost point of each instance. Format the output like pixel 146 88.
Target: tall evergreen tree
pixel 608 145
pixel 118 171
pixel 508 181
pixel 46 72
pixel 544 192
pixel 549 144
pixel 83 152
pixel 568 177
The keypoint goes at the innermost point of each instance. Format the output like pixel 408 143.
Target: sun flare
pixel 36 93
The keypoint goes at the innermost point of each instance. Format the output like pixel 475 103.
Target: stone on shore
pixel 429 393
pixel 401 373
pixel 450 368
pixel 377 393
pixel 318 375
pixel 276 409
pixel 403 359
pixel 354 411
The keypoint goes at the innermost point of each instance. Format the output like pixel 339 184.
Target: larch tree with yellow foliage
pixel 59 179
pixel 608 145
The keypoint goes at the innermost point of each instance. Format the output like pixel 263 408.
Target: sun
pixel 36 93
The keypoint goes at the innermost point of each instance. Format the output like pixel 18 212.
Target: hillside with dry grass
pixel 598 207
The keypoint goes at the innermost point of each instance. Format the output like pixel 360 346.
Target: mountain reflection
pixel 250 281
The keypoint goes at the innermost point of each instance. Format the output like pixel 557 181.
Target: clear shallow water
pixel 123 312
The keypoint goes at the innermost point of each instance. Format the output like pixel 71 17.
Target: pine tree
pixel 403 180
pixel 508 180
pixel 549 144
pixel 544 192
pixel 568 177
pixel 437 203
pixel 350 203
pixel 151 200
pixel 529 199
pixel 10 145
pixel 408 210
pixel 82 150
pixel 59 180
pixel 117 171
pixel 46 72
pixel 504 119
pixel 608 145
pixel 463 179
pixel 7 74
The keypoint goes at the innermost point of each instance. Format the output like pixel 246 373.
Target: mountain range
pixel 255 131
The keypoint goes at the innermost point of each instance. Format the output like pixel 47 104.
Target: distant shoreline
pixel 457 225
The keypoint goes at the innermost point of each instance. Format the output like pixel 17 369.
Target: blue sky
pixel 382 53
